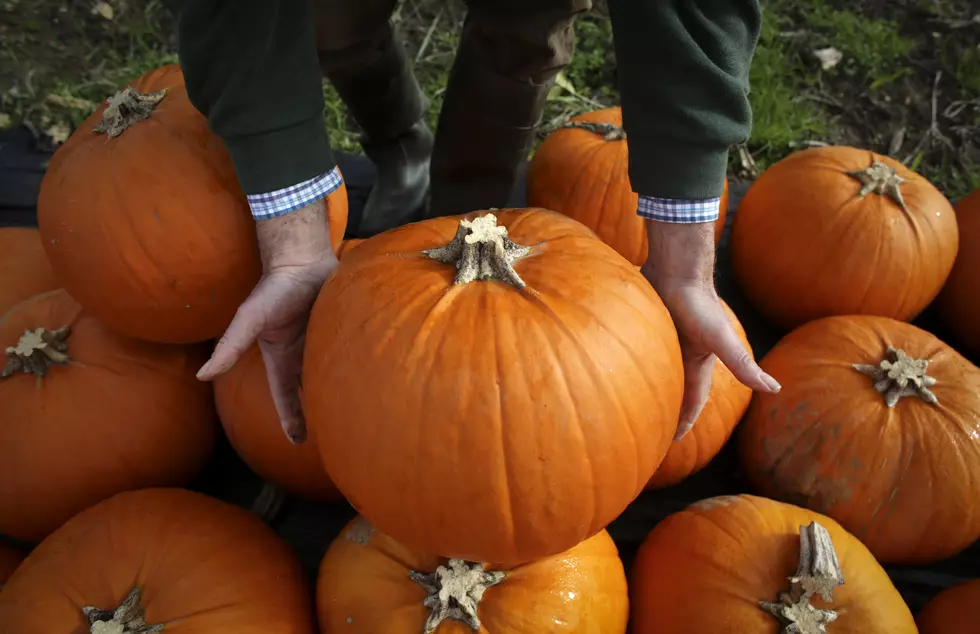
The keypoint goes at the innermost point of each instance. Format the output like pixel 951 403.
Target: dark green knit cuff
pixel 669 170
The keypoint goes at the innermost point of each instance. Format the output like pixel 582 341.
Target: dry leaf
pixel 104 9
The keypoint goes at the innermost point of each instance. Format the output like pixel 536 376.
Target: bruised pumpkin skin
pixel 706 568
pixel 902 479
pixel 149 230
pixel 10 558
pixel 585 175
pixel 805 244
pixel 366 586
pixel 727 403
pixel 122 414
pixel 543 410
pixel 24 268
pixel 959 302
pixel 952 611
pixel 203 567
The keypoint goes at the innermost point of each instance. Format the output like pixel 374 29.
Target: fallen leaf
pixel 104 9
pixel 828 57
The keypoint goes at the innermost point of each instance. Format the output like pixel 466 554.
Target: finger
pixel 724 342
pixel 237 339
pixel 697 386
pixel 282 367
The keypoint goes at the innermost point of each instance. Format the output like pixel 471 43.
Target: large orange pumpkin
pixel 177 559
pixel 960 298
pixel 582 171
pixel 841 231
pixel 88 413
pixel 347 245
pixel 952 611
pixel 24 268
pixel 10 558
pixel 144 221
pixel 371 584
pixel 725 565
pixel 878 426
pixel 491 392
pixel 726 405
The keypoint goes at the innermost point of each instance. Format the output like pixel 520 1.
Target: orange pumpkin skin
pixel 251 423
pixel 952 611
pixel 150 230
pixel 727 403
pixel 706 568
pixel 580 174
pixel 902 479
pixel 364 586
pixel 959 301
pixel 124 414
pixel 204 566
pixel 24 268
pixel 804 244
pixel 347 245
pixel 10 558
pixel 544 410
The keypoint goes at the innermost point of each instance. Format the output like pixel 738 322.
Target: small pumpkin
pixel 157 560
pixel 835 231
pixel 582 171
pixel 952 611
pixel 510 364
pixel 10 558
pixel 748 564
pixel 877 426
pixel 727 403
pixel 371 584
pixel 88 413
pixel 144 221
pixel 959 301
pixel 24 268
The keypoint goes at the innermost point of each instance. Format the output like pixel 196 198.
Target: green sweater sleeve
pixel 683 70
pixel 251 68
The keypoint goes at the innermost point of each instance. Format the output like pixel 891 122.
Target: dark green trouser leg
pixel 363 59
pixel 509 55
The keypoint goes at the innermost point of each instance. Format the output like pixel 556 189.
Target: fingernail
pixel 204 369
pixel 771 383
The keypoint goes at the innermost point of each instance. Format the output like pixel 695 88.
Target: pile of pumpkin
pixel 489 392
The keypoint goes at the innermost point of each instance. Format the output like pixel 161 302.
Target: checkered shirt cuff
pixel 677 210
pixel 289 199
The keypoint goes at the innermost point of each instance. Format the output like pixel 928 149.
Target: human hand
pixel 680 266
pixel 296 260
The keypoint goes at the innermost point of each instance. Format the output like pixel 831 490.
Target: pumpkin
pixel 877 426
pixel 144 221
pixel 748 564
pixel 841 231
pixel 371 584
pixel 251 423
pixel 727 403
pixel 88 413
pixel 156 560
pixel 959 302
pixel 582 171
pixel 24 268
pixel 522 371
pixel 10 558
pixel 952 611
pixel 347 245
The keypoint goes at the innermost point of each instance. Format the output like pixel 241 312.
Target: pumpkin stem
pixel 899 375
pixel 607 131
pixel 818 572
pixel 481 250
pixel 37 351
pixel 126 107
pixel 454 592
pixel 128 618
pixel 882 180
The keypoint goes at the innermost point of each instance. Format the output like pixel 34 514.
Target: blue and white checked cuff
pixel 289 199
pixel 677 210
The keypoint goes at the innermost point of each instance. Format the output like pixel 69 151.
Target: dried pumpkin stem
pixel 454 592
pixel 818 572
pixel 128 618
pixel 126 107
pixel 899 375
pixel 37 351
pixel 882 180
pixel 481 250
pixel 607 131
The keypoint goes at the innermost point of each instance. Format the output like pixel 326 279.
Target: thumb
pixel 732 352
pixel 282 367
pixel 697 385
pixel 238 338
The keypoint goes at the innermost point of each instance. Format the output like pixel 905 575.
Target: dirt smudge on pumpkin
pixel 716 502
pixel 360 532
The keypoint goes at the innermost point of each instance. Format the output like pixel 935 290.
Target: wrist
pixel 680 254
pixel 299 238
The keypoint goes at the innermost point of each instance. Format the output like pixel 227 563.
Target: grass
pixel 59 58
